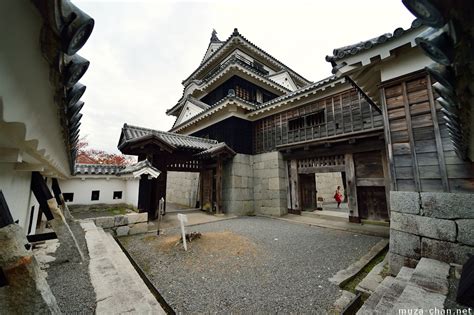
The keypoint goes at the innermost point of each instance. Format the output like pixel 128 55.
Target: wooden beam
pixel 351 185
pixel 416 171
pixel 42 194
pixel 370 181
pixel 295 193
pixel 321 169
pixel 28 167
pixel 387 178
pixel 219 186
pixel 439 143
pixel 10 155
pixel 388 141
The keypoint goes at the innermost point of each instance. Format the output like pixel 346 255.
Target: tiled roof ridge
pixel 210 141
pixel 341 52
pixel 236 34
pixel 224 67
pixel 319 83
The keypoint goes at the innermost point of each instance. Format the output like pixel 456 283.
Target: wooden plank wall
pixel 344 113
pixel 421 155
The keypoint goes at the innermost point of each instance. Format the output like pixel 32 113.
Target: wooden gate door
pixel 372 202
pixel 206 190
pixel 308 191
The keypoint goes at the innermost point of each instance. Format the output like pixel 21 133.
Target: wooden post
pixel 387 182
pixel 219 186
pixel 295 191
pixel 351 188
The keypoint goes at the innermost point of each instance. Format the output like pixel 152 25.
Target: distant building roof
pixel 130 133
pixel 142 167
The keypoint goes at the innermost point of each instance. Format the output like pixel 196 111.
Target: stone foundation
pixel 255 184
pixel 122 225
pixel 432 225
pixel 182 188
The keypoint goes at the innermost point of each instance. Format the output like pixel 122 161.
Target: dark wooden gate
pixel 372 202
pixel 308 191
pixel 207 190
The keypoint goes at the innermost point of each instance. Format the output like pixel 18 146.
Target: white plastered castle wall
pixel 82 187
pixel 189 110
pixel 284 79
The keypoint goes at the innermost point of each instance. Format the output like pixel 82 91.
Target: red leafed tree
pixel 86 155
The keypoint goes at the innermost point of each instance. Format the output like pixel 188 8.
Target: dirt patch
pixel 212 248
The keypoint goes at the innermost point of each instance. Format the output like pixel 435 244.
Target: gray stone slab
pixel 122 230
pixel 425 226
pixel 343 301
pixel 342 276
pixel 405 273
pixel 397 262
pixel 447 252
pixel 405 244
pixel 431 275
pixel 405 201
pixel 388 284
pixel 448 205
pixel 390 296
pixel 466 231
pixel 121 220
pixel 105 222
pixel 137 217
pixel 416 298
pixel 369 284
pixel 138 228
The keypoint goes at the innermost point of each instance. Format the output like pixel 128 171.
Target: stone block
pixel 396 262
pixel 274 183
pixel 425 226
pixel 448 205
pixel 405 244
pixel 121 220
pixel 465 231
pixel 137 217
pixel 138 228
pixel 404 201
pixel 105 222
pixel 122 230
pixel 445 251
pixel 431 275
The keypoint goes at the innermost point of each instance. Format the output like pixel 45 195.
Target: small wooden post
pixel 219 186
pixel 351 188
pixel 295 191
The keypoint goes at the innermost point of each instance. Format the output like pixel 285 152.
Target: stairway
pixel 119 288
pixel 424 287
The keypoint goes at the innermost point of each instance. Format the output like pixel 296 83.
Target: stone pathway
pixel 119 288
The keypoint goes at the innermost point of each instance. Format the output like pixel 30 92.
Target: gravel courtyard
pixel 248 265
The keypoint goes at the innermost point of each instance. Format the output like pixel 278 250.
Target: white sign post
pixel 183 219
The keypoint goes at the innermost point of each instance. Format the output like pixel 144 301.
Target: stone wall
pixel 182 188
pixel 255 184
pixel 326 184
pixel 238 185
pixel 269 182
pixel 433 225
pixel 121 225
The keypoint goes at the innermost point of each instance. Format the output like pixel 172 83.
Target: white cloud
pixel 140 51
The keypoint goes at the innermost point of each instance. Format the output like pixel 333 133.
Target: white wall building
pixel 106 184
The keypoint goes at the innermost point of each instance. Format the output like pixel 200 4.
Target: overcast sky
pixel 140 51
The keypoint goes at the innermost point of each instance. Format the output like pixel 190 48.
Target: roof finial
pixel 214 37
pixel 236 32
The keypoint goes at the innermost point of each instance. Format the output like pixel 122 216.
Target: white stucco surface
pixel 284 79
pixel 82 187
pixel 189 110
pixel 408 62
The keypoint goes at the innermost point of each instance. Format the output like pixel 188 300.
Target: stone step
pixel 431 275
pixel 327 215
pixel 369 284
pixel 118 286
pixel 405 273
pixel 391 296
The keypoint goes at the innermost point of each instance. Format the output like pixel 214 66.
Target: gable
pixel 213 47
pixel 284 79
pixel 189 110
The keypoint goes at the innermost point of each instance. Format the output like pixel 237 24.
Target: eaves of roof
pixel 354 49
pixel 228 100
